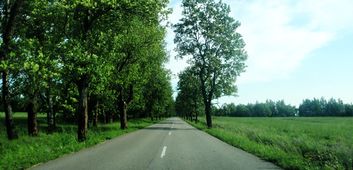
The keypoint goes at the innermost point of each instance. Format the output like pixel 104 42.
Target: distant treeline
pixel 309 107
pixel 322 107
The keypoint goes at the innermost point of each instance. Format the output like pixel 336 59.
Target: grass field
pixel 28 151
pixel 292 143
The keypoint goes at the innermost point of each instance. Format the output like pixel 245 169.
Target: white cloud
pixel 278 38
pixel 279 34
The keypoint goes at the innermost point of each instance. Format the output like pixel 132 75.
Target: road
pixel 170 144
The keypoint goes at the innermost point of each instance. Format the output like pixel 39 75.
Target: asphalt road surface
pixel 170 144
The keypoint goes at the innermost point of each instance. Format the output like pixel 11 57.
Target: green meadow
pixel 27 151
pixel 291 143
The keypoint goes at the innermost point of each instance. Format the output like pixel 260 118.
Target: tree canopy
pixel 208 34
pixel 84 61
pixel 189 100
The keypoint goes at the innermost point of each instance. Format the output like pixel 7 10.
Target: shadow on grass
pixel 20 122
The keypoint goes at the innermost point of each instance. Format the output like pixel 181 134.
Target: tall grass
pixel 28 151
pixel 292 143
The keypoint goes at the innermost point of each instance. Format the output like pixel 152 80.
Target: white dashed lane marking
pixel 163 152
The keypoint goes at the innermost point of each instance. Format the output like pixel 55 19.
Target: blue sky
pixel 297 49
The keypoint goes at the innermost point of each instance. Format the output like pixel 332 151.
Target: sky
pixel 297 49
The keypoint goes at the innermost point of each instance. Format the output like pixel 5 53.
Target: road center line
pixel 163 152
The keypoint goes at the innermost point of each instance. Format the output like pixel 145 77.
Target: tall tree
pixel 10 11
pixel 38 66
pixel 138 38
pixel 83 50
pixel 138 32
pixel 189 95
pixel 158 93
pixel 207 33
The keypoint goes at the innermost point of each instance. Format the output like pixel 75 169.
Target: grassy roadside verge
pixel 28 151
pixel 291 143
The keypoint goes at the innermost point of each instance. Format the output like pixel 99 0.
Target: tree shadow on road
pixel 168 128
pixel 170 122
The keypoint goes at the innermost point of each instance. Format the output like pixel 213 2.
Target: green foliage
pixel 158 93
pixel 292 143
pixel 189 100
pixel 322 107
pixel 207 34
pixel 315 107
pixel 67 53
pixel 267 109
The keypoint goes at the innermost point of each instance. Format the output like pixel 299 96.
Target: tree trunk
pixel 32 117
pixel 8 27
pixel 10 127
pixel 196 120
pixel 195 109
pixel 111 117
pixel 123 115
pixel 95 116
pixel 50 112
pixel 122 110
pixel 54 118
pixel 82 109
pixel 108 116
pixel 104 117
pixel 208 114
pixel 123 104
pixel 207 99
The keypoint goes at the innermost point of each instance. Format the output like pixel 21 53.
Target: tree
pixel 189 95
pixel 83 59
pixel 284 109
pixel 273 106
pixel 207 34
pixel 10 11
pixel 322 107
pixel 313 107
pixel 243 110
pixel 38 66
pixel 158 92
pixel 335 108
pixel 139 38
pixel 349 109
pixel 83 50
pixel 261 109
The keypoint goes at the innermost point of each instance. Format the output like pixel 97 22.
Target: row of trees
pixel 189 102
pixel 267 109
pixel 309 107
pixel 323 107
pixel 83 60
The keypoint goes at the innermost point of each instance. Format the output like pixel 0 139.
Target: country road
pixel 170 144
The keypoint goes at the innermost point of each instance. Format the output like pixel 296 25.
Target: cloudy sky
pixel 297 49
